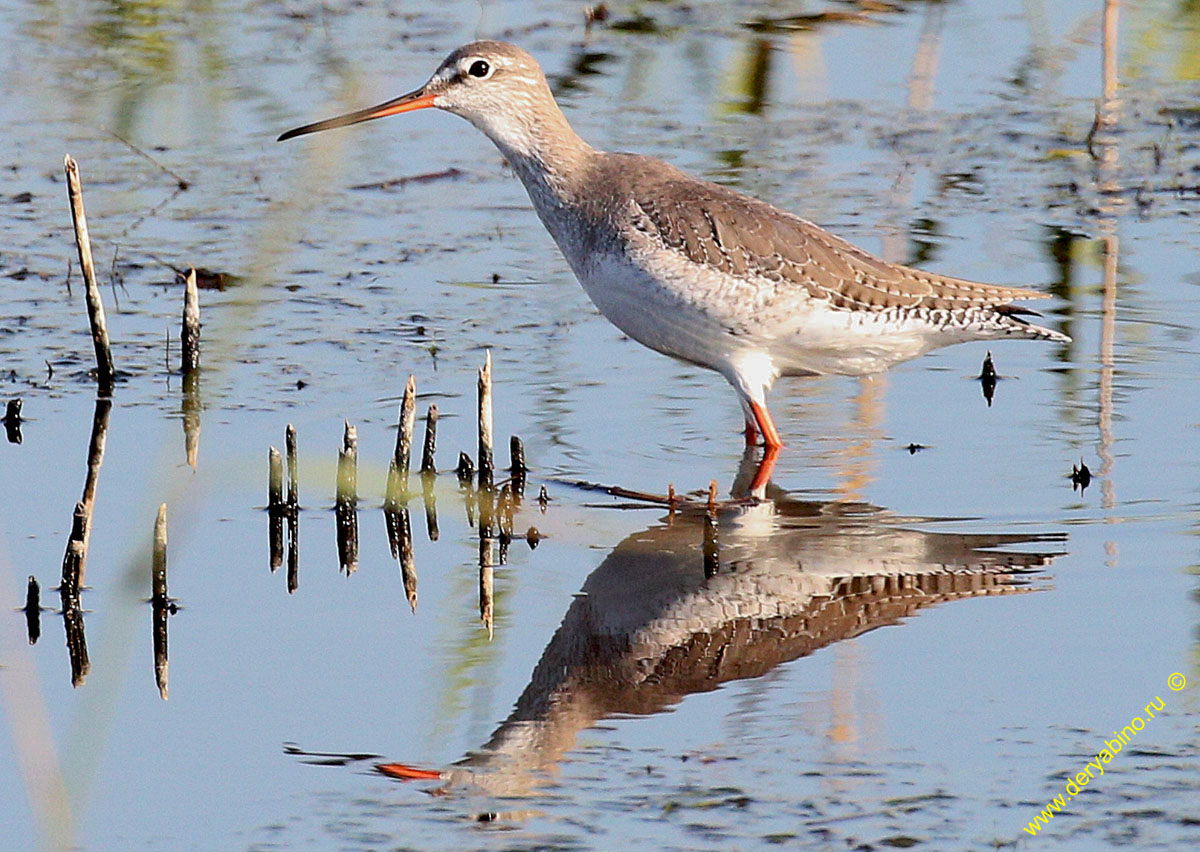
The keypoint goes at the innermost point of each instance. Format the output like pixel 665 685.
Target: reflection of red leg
pixel 751 433
pixel 408 773
pixel 766 468
pixel 766 425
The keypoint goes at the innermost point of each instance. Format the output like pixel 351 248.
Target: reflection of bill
pixel 649 628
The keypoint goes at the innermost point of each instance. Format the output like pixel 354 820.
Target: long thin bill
pixel 419 99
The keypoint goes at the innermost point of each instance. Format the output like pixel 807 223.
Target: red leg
pixel 766 468
pixel 766 425
pixel 751 433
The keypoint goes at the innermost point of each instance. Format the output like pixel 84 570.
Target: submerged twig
pixel 179 182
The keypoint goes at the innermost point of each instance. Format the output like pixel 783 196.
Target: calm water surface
pixel 624 697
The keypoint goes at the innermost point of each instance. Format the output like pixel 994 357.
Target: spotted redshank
pixel 698 271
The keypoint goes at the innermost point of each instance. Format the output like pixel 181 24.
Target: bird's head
pixel 496 86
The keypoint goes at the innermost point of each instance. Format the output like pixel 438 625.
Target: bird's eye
pixel 479 68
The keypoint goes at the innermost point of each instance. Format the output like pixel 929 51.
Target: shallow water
pixel 627 698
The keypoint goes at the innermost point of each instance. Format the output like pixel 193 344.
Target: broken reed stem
pixel 189 337
pixel 404 438
pixel 158 575
pixel 293 495
pixel 486 463
pixel 397 481
pixel 431 416
pixel 274 479
pixel 516 458
pixel 347 472
pixel 105 372
pixel 516 455
pixel 465 470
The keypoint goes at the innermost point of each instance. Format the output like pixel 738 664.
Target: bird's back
pixel 717 227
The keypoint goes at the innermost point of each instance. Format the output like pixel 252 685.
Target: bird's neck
pixel 544 150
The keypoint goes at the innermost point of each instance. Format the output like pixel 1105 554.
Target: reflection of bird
pixel 649 628
pixel 696 270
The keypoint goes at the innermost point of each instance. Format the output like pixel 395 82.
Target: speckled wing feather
pixel 744 237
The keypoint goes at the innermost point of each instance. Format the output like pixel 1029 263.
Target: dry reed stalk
pixel 105 372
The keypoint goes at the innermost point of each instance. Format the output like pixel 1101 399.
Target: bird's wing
pixel 742 236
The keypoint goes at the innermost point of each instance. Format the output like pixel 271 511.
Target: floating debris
pixel 913 449
pixel 543 499
pixel 597 14
pixel 533 538
pixel 105 372
pixel 33 610
pixel 13 420
pixel 402 182
pixel 1081 477
pixel 987 378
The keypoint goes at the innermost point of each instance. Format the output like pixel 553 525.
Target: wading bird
pixel 699 271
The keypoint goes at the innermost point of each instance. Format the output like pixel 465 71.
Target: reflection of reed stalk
pixel 159 600
pixel 485 422
pixel 347 498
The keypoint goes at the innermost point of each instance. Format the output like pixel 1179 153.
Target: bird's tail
pixel 1012 320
